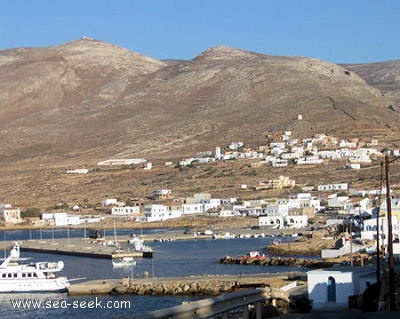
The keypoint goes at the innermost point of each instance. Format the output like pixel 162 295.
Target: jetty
pixel 85 247
pixel 207 285
pixel 277 261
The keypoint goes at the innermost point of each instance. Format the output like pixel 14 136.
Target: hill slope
pixel 90 100
pixel 85 101
pixel 383 75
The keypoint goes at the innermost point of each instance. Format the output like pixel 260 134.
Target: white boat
pixel 138 245
pixel 38 276
pixel 227 235
pixel 124 261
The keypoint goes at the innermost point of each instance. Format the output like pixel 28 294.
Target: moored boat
pixel 38 276
pixel 124 262
pixel 138 245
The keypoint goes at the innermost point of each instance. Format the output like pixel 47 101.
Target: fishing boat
pixel 35 276
pixel 139 246
pixel 124 262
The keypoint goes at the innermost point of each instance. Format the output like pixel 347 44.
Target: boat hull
pixel 59 284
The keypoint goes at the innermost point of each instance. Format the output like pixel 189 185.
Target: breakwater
pixel 276 261
pixel 192 285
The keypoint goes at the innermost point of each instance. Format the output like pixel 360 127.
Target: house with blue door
pixel 331 288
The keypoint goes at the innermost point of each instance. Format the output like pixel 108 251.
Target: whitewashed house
pixel 296 221
pixel 61 219
pixel 275 222
pixel 333 155
pixel 331 288
pixel 192 209
pixel 333 187
pixel 360 158
pixel 9 214
pixel 226 213
pixel 309 160
pixel 125 211
pixel 155 213
pixel 210 203
pixel 338 202
pixel 235 145
pixel 109 202
pixel 369 231
pixel 345 143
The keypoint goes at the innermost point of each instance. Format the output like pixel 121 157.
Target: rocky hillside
pixel 85 101
pixel 91 100
pixel 385 76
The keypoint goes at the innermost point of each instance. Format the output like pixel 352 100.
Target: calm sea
pixel 171 259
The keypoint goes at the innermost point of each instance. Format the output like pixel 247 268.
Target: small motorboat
pixel 124 262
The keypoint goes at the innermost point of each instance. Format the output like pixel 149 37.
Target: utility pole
pixel 392 301
pixel 378 250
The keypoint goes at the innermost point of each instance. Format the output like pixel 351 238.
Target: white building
pixel 218 152
pixel 296 222
pixel 331 289
pixel 369 231
pixel 125 211
pixel 333 187
pixel 281 222
pixel 61 219
pixel 235 145
pixel 10 214
pixel 309 160
pixel 155 213
pixel 192 209
pixel 211 203
pixel 272 221
pixel 109 202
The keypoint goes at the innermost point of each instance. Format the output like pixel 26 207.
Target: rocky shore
pixel 276 261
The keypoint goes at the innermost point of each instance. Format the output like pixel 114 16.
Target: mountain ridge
pixel 84 101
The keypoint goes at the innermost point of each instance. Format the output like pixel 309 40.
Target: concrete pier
pixel 85 247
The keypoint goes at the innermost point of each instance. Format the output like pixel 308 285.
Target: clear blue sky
pixel 340 31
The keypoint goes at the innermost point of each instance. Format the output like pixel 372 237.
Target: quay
pixel 85 247
pixel 207 285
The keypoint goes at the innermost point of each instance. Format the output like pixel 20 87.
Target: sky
pixel 338 31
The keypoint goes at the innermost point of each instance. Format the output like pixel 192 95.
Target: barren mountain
pixel 383 75
pixel 86 101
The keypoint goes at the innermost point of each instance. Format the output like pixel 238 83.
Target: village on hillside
pixel 339 201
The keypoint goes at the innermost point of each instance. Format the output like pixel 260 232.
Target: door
pixel 331 289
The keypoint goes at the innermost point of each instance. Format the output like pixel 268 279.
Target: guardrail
pixel 223 304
